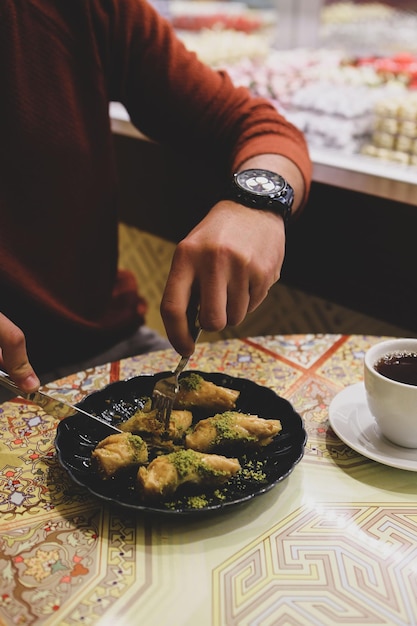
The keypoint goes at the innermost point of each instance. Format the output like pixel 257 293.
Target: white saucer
pixel 355 425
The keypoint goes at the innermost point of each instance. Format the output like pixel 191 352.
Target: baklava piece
pixel 119 452
pixel 150 427
pixel 165 474
pixel 232 429
pixel 197 393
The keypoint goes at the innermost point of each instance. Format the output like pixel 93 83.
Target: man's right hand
pixel 14 358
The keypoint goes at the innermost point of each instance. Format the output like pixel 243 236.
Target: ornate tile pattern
pixel 325 564
pixel 336 543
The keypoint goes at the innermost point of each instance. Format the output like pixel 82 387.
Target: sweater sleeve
pixel 174 98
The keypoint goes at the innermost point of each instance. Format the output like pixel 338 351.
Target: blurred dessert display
pixel 355 92
pixel 223 32
pixel 329 97
pixel 401 66
pixel 225 46
pixel 380 28
pixel 394 135
pixel 367 57
pixel 218 21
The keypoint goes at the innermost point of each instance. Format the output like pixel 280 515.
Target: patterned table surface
pixel 334 543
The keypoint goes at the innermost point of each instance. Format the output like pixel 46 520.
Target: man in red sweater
pixel 64 303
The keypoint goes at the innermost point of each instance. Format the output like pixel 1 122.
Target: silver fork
pixel 166 389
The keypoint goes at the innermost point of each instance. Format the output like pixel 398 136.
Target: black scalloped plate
pixel 77 437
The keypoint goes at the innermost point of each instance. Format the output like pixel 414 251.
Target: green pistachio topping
pixel 254 470
pixel 188 461
pixel 137 445
pixel 197 502
pixel 225 424
pixel 192 381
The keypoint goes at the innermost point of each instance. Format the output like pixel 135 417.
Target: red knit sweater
pixel 61 63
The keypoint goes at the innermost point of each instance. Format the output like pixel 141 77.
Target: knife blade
pixel 57 408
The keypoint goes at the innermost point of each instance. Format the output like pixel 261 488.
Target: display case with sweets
pixel 401 66
pixel 224 32
pixel 369 28
pixel 329 99
pixel 395 129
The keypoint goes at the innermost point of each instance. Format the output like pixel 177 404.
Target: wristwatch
pixel 262 189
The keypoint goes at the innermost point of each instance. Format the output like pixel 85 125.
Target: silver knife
pixel 52 406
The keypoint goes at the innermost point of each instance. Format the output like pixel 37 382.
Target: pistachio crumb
pixel 186 461
pixel 197 502
pixel 191 381
pixel 225 424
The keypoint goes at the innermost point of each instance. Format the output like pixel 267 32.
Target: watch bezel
pixel 279 181
pixel 278 200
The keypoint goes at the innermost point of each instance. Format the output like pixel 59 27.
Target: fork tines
pixel 165 391
pixel 163 404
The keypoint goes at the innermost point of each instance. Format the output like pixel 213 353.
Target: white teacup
pixel 393 404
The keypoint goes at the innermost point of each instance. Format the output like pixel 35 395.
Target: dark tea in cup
pixel 399 366
pixel 390 377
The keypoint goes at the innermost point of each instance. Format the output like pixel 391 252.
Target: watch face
pixel 260 182
pixel 264 190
